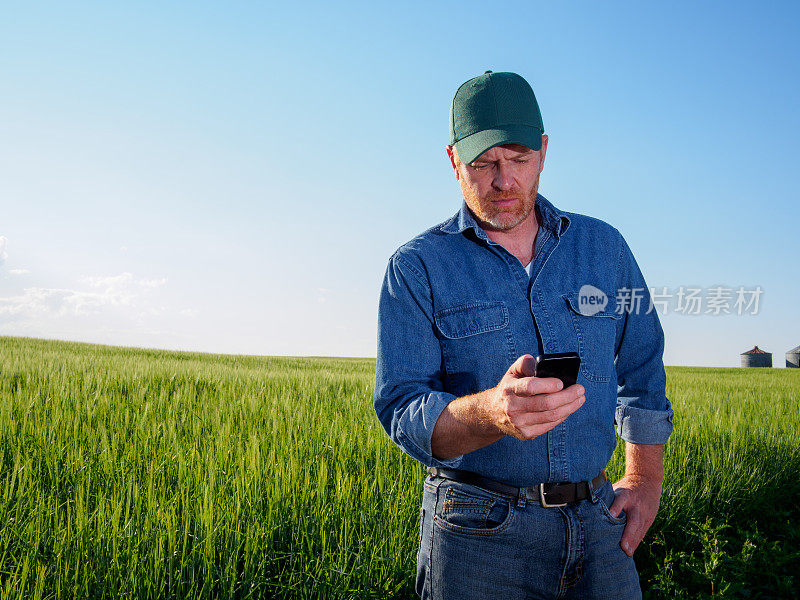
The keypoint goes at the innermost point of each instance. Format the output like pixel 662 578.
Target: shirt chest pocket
pixel 477 345
pixel 596 331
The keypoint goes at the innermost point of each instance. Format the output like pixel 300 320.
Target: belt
pixel 549 494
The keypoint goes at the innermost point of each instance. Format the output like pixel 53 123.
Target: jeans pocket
pixel 464 511
pixel 605 498
pixel 421 521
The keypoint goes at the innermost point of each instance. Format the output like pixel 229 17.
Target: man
pixel 517 504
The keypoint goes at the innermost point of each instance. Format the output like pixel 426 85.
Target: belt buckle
pixel 544 502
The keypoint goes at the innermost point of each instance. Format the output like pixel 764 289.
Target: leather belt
pixel 548 494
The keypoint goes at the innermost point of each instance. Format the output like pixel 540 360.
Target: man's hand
pixel 525 407
pixel 520 405
pixel 638 493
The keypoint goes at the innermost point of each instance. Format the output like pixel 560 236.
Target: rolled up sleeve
pixel 644 413
pixel 409 394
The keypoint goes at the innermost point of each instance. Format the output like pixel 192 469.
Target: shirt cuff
pixel 431 409
pixel 643 425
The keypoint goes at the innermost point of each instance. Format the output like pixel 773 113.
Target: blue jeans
pixel 475 543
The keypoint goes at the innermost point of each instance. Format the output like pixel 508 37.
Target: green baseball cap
pixel 494 109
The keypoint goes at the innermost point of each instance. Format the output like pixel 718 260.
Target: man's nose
pixel 503 179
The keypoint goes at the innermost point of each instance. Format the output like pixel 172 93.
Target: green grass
pixel 155 474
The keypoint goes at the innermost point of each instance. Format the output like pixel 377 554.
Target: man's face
pixel 500 186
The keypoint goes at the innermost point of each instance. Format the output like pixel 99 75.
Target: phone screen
pixel 563 366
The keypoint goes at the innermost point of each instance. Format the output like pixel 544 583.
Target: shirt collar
pixel 553 219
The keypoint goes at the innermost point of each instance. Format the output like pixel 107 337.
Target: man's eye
pixel 520 160
pixel 479 167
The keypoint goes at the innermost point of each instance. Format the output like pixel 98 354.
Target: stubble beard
pixel 498 218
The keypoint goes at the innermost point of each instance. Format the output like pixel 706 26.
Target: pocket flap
pixel 464 321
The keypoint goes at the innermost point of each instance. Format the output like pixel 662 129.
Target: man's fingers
pixel 548 390
pixel 532 431
pixel 617 506
pixel 533 386
pixel 523 366
pixel 639 500
pixel 628 543
pixel 634 532
pixel 634 528
pixel 559 411
pixel 537 404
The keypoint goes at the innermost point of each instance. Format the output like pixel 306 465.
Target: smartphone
pixel 563 366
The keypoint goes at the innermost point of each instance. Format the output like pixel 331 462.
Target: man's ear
pixel 542 151
pixel 454 162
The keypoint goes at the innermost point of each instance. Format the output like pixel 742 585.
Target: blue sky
pixel 233 177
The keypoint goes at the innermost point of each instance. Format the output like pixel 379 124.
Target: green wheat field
pixel 130 473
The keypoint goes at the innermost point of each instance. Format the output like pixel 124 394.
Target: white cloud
pixel 122 281
pixel 19 271
pixel 152 283
pixel 108 281
pixel 122 309
pixel 3 253
pixel 53 302
pixel 121 291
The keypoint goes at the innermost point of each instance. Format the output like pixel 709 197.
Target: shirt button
pixel 555 451
pixel 551 346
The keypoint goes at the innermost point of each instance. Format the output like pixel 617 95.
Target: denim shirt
pixel 457 309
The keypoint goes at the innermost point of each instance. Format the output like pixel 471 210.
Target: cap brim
pixel 472 146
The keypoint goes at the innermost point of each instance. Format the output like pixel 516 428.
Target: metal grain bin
pixel 793 358
pixel 756 358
